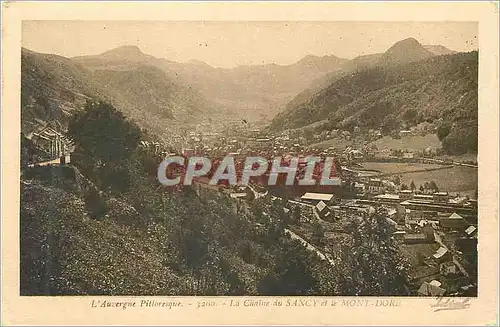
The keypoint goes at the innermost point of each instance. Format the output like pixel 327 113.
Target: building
pixel 238 195
pixel 416 238
pixel 393 198
pixel 399 234
pixel 441 253
pixel 408 155
pixel 453 222
pixel 441 197
pixel 315 198
pixel 423 198
pixel 360 188
pixel 375 186
pixel 471 230
pixel 52 142
pixel 355 155
pixel 323 211
pixel 404 133
pixel 405 194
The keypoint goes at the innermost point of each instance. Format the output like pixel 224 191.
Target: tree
pixel 433 186
pixel 443 130
pixel 296 214
pixel 412 186
pixel 293 273
pixel 103 133
pixel 318 233
pixel 404 186
pixel 421 188
pixel 104 141
pixel 410 115
pixel 370 261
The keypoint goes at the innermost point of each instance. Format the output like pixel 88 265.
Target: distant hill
pixel 439 49
pixel 146 91
pixel 53 87
pixel 389 96
pixel 126 53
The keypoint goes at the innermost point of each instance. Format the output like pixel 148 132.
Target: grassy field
pixel 398 167
pixel 460 158
pixel 414 143
pixel 457 179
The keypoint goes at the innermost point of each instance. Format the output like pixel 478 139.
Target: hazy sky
pixel 227 44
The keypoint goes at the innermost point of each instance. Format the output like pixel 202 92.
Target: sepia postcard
pixel 250 163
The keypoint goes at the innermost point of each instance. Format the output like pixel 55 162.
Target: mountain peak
pixel 124 49
pixel 404 51
pixel 312 58
pixel 325 63
pixel 126 52
pixel 411 41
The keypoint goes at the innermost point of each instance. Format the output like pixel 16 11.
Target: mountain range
pixel 252 91
pixel 406 85
pixel 157 92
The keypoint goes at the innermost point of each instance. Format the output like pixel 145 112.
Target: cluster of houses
pixel 446 227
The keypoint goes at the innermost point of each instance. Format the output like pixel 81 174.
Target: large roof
pixel 317 196
pixel 387 196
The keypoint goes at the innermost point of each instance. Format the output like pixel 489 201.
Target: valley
pixel 401 126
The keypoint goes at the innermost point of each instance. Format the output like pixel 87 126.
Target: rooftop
pixel 321 205
pixel 440 252
pixel 470 230
pixel 317 196
pixel 415 236
pixel 455 216
pixel 422 196
pixel 237 195
pixel 387 197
